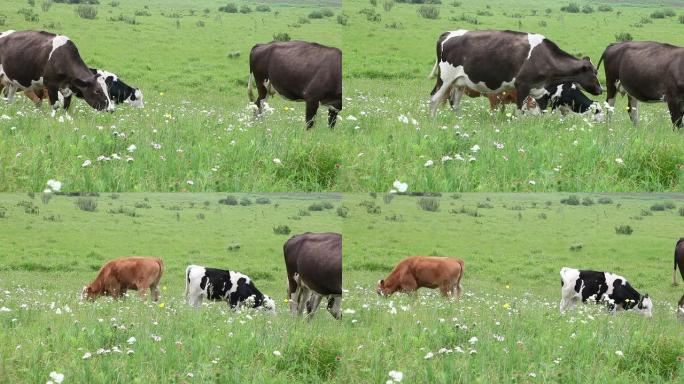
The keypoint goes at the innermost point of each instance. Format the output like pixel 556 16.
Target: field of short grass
pixel 506 327
pixel 197 132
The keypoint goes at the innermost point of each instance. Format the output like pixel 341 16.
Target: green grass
pixel 512 252
pixel 198 111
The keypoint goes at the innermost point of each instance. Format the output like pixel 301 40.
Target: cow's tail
pixel 600 60
pixel 458 281
pixel 161 269
pixel 250 87
pixel 187 281
pixel 435 70
pixel 674 271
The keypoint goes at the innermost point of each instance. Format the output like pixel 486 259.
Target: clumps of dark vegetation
pixel 658 207
pixel 45 5
pixel 123 211
pixel 605 200
pixel 245 201
pixel 315 207
pixel 282 230
pixel 605 8
pixel 262 8
pixel 456 4
pixel 228 200
pixel 87 204
pixel 320 13
pixel 234 54
pixel 143 12
pixel 420 1
pixel 576 247
pixel 233 248
pixel 645 212
pixel 542 216
pixel 342 19
pixel 394 25
pixel 484 12
pixel 571 200
pixel 200 216
pixel 371 15
pixel 229 8
pixel 388 197
pixel 245 9
pixel 587 9
pixel 466 19
pixel 114 196
pixel 428 12
pixel 3 19
pixel 371 207
pixel 145 204
pixel 485 204
pixel 93 2
pixel 124 19
pixel 623 230
pixel 394 217
pixel 387 6
pixel 29 15
pixel 304 212
pixel 571 8
pixel 456 196
pixel 623 36
pixel 370 267
pixel 3 212
pixel 681 211
pixel 343 212
pixel 87 12
pixel 52 218
pixel 262 200
pixel 29 207
pixel 281 36
pixel 114 3
pixel 587 201
pixel 466 211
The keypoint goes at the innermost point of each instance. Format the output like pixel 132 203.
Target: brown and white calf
pixel 119 275
pixel 416 272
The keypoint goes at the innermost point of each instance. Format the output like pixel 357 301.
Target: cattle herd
pixel 313 262
pixel 508 66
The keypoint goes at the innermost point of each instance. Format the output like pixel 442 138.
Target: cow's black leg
pixel 611 90
pixel 675 107
pixel 67 102
pixel 632 109
pixel 263 93
pixel 523 92
pixel 333 110
pixel 311 109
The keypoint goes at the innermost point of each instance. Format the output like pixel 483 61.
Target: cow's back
pixel 24 55
pixel 138 268
pixel 434 269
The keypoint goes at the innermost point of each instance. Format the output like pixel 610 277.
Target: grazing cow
pixel 314 270
pixel 678 260
pixel 491 61
pixel 432 272
pixel 646 71
pixel 298 70
pixel 603 287
pixel 119 92
pixel 31 60
pixel 567 98
pixel 119 275
pixel 223 285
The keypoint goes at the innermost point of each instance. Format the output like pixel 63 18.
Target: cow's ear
pixel 382 283
pixel 587 58
pixel 646 296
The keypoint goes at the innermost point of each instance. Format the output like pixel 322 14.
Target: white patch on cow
pixel 234 277
pixel 101 81
pixel 573 86
pixel 558 93
pixel 610 281
pixel 534 39
pixel 107 74
pixel 57 42
pixel 538 93
pixel 7 33
pixel 193 292
pixel 451 34
pixel 138 102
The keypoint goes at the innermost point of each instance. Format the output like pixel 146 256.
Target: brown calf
pixel 36 96
pixel 500 99
pixel 119 275
pixel 425 271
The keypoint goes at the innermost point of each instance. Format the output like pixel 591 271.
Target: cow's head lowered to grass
pixel 93 90
pixel 586 77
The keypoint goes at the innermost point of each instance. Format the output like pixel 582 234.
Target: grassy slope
pixel 196 103
pixel 512 261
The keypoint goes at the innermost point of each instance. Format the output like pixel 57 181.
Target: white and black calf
pixel 646 71
pixel 568 98
pixel 33 60
pixel 602 287
pixel 233 287
pixel 491 61
pixel 120 92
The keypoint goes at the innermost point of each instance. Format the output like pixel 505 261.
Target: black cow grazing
pixel 222 285
pixel 646 71
pixel 567 98
pixel 298 70
pixel 495 61
pixel 31 60
pixel 314 269
pixel 605 287
pixel 678 260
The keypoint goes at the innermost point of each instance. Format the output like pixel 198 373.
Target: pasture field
pixel 506 328
pixel 198 127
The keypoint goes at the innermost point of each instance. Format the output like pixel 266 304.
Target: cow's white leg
pixel 293 303
pixel 439 97
pixel 335 306
pixel 11 91
pixel 456 96
pixel 611 102
pixel 303 296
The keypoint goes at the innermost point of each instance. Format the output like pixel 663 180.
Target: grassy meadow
pixel 197 132
pixel 506 328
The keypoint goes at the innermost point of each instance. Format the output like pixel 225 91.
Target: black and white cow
pixel 31 60
pixel 223 285
pixel 490 61
pixel 314 270
pixel 603 287
pixel 567 98
pixel 646 71
pixel 300 71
